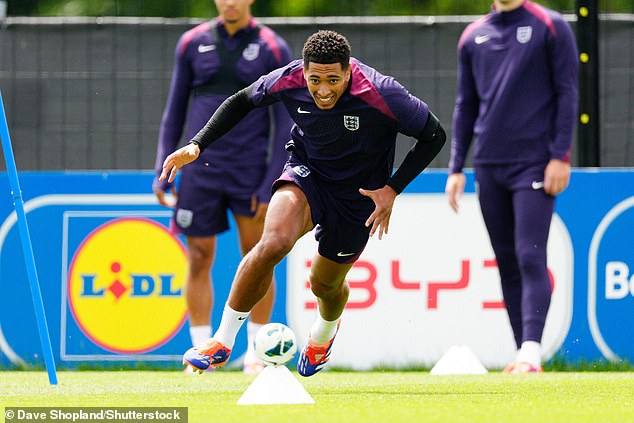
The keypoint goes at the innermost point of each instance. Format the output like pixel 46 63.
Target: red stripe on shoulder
pixel 363 88
pixel 189 35
pixel 268 36
pixel 470 28
pixel 293 80
pixel 541 13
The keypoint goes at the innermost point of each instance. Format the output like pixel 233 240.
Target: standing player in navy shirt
pixel 338 179
pixel 212 61
pixel 517 95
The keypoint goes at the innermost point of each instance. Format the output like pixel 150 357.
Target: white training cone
pixel 459 360
pixel 275 385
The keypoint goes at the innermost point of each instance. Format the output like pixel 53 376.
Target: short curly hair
pixel 326 47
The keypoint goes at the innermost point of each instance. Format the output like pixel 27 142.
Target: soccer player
pixel 517 95
pixel 212 61
pixel 338 179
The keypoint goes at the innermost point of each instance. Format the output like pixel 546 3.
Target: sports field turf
pixel 343 396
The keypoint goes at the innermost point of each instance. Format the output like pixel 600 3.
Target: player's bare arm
pixel 165 200
pixel 454 189
pixel 178 159
pixel 556 176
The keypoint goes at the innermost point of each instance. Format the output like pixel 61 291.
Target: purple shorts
pixel 201 209
pixel 340 224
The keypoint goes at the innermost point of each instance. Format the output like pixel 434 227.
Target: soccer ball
pixel 275 344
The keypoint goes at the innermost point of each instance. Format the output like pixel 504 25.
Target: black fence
pixel 88 93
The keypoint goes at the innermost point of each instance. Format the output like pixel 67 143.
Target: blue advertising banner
pixel 112 273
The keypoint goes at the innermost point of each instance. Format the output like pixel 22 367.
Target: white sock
pixel 531 352
pixel 252 329
pixel 322 330
pixel 199 334
pixel 230 324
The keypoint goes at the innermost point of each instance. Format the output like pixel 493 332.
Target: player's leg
pixel 533 214
pixel 497 210
pixel 200 214
pixel 340 245
pixel 250 232
pixel 198 286
pixel 327 281
pixel 287 219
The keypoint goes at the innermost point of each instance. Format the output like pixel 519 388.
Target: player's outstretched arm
pixel 178 159
pixel 228 114
pixel 427 146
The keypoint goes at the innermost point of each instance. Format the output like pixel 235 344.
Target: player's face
pixel 326 83
pixel 234 11
pixel 507 5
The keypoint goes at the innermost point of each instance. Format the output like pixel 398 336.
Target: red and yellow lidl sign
pixel 126 283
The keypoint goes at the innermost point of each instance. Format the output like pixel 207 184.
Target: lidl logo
pixel 125 285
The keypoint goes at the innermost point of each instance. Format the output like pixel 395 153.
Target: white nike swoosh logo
pixel 204 49
pixel 482 39
pixel 299 110
pixel 537 185
pixel 340 254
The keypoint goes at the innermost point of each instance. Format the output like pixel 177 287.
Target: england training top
pixel 352 145
pixel 209 66
pixel 517 88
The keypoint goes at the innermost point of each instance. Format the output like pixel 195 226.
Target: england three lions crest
pixel 524 34
pixel 251 52
pixel 184 218
pixel 351 122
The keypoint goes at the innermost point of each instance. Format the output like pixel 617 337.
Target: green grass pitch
pixel 343 396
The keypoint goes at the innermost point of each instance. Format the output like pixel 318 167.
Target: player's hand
pixel 383 200
pixel 164 199
pixel 556 176
pixel 178 159
pixel 454 189
pixel 259 209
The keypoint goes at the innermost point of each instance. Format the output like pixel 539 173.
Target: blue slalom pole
pixel 27 248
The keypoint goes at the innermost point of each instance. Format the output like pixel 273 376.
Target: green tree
pixel 395 7
pixel 282 8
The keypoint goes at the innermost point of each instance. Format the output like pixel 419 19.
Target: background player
pixel 214 60
pixel 338 178
pixel 517 94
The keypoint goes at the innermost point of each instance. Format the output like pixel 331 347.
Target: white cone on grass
pixel 275 385
pixel 459 360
